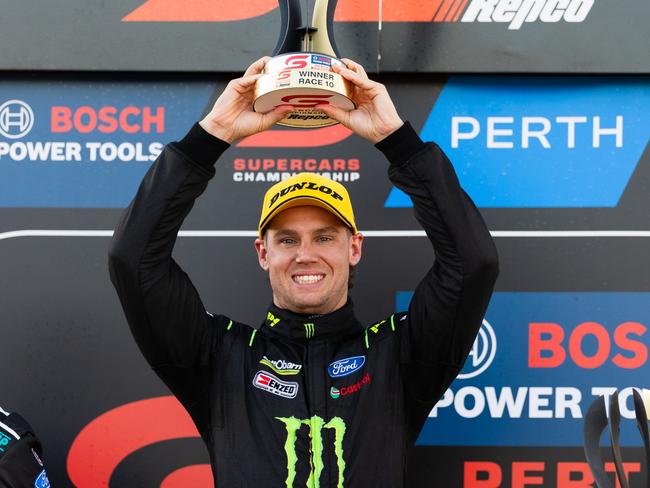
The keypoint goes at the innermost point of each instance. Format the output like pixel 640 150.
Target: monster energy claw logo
pixel 316 425
pixel 309 330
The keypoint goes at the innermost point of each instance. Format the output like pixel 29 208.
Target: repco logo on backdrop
pixel 517 12
pixel 514 13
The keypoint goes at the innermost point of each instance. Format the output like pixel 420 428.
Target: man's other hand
pixel 232 117
pixel 375 116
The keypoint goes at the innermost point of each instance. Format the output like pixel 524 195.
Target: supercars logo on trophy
pixel 300 74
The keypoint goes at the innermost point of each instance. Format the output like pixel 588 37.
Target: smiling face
pixel 307 252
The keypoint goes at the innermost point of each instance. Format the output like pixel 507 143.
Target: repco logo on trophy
pixel 300 73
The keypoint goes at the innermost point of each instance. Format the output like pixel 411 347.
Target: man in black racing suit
pixel 312 397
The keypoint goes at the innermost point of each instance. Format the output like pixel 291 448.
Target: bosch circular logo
pixel 16 119
pixel 482 353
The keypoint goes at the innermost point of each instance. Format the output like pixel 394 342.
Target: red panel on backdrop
pixel 198 476
pixel 286 138
pixel 233 10
pixel 106 441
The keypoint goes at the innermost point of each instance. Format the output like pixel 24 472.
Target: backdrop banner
pixel 559 167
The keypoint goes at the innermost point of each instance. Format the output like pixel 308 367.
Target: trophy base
pixel 303 80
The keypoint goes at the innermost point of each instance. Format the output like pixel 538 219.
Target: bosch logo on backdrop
pixel 588 345
pixel 558 351
pixel 482 354
pixel 540 143
pixel 16 119
pixel 87 144
pixel 107 119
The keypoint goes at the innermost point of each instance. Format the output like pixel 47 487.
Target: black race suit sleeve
pixel 165 313
pixel 449 303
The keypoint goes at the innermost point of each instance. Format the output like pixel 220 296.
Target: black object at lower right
pixel 595 423
pixel 615 431
pixel 642 425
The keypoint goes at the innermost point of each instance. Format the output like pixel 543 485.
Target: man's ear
pixel 262 251
pixel 356 243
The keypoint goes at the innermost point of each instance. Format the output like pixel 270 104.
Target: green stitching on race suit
pixel 250 343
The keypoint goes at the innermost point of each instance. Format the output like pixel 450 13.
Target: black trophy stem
pixel 315 37
pixel 290 39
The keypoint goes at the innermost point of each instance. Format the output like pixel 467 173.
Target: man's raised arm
pixel 164 310
pixel 448 305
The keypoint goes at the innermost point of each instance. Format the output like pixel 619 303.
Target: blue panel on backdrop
pixel 66 144
pixel 539 361
pixel 540 142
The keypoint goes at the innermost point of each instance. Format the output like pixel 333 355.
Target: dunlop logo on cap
pixel 307 186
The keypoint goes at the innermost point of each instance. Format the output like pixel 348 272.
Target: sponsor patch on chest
pixel 348 390
pixel 268 382
pixel 344 367
pixel 280 366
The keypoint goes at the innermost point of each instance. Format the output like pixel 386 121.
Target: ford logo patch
pixel 344 367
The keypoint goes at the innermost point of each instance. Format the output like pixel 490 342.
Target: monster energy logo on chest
pixel 316 425
pixel 309 330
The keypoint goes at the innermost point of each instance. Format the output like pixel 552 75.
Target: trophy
pixel 300 73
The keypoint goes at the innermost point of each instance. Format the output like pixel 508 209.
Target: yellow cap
pixel 307 189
